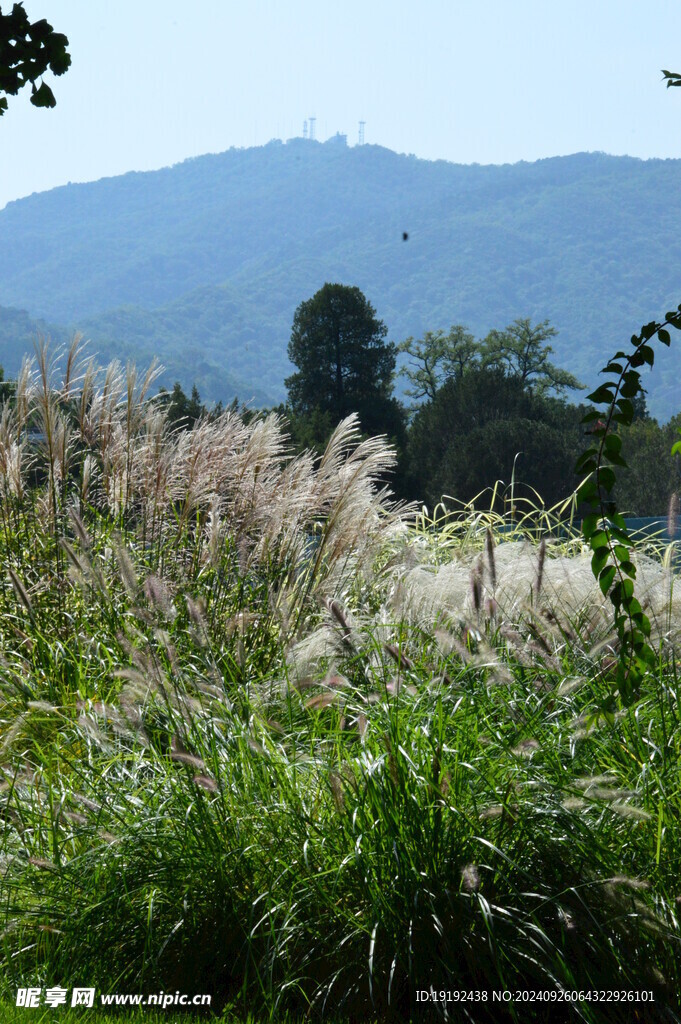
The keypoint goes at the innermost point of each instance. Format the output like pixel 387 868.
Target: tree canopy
pixel 521 352
pixel 436 357
pixel 344 364
pixel 27 51
pixel 486 426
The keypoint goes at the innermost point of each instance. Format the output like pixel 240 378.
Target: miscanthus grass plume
pixel 265 733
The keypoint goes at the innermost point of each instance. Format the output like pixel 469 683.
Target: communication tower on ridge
pixel 304 129
pixel 361 133
pixel 313 127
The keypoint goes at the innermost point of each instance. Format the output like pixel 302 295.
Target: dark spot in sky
pixel 405 236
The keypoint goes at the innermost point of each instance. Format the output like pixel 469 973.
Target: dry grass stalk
pixel 540 568
pixel 20 591
pixel 489 538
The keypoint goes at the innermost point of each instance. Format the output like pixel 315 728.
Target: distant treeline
pixel 484 411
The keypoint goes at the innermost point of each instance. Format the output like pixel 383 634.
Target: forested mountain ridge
pixel 204 263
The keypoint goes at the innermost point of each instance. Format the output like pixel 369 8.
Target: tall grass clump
pixel 266 734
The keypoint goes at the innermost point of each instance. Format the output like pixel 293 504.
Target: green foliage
pixel 337 343
pixel 520 351
pixel 6 387
pixel 344 364
pixel 182 410
pixel 27 51
pixel 603 526
pixel 437 357
pixel 653 474
pixel 484 427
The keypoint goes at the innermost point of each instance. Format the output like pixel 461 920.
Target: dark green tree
pixel 27 51
pixel 182 411
pixel 652 474
pixel 486 426
pixel 344 364
pixel 7 388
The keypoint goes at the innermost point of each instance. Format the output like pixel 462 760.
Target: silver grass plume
pixel 673 515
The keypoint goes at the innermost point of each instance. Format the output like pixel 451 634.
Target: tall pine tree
pixel 344 364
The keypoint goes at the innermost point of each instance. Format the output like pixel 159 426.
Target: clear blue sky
pixel 487 81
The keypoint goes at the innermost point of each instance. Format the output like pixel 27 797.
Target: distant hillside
pixel 204 263
pixel 18 332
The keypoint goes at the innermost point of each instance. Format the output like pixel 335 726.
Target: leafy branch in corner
pixel 672 78
pixel 27 51
pixel 603 527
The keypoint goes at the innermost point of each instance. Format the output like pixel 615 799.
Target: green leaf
pixel 619 536
pixel 626 407
pixel 599 561
pixel 628 567
pixel 605 579
pixel 587 491
pixel 43 97
pixel 602 394
pixel 590 416
pixel 616 460
pixel 60 63
pixel 664 336
pixel 606 478
pixel 622 591
pixel 590 525
pixel 587 462
pixel 40 30
pixel 599 539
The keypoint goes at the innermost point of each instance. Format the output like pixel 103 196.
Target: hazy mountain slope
pixel 216 253
pixel 18 334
